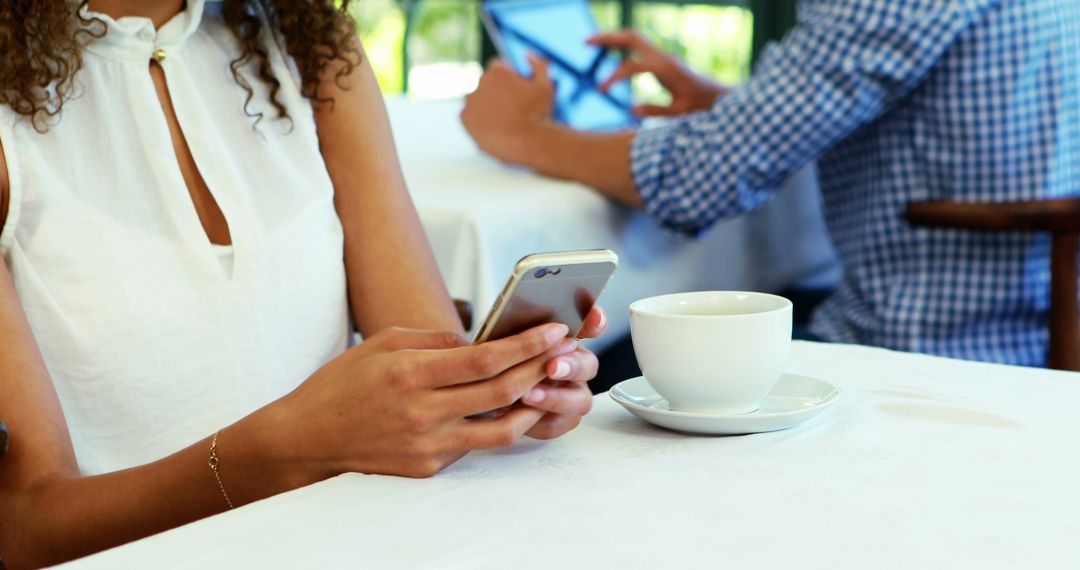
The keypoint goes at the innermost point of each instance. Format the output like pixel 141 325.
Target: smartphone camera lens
pixel 540 273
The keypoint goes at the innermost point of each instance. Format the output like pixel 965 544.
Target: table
pixel 482 216
pixel 923 462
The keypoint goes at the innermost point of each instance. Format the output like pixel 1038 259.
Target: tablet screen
pixel 556 30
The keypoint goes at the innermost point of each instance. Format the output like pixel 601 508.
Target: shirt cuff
pixel 651 168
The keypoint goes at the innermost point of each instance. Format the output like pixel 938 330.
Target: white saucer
pixel 794 400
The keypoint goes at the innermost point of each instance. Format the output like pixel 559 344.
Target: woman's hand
pixel 566 397
pixel 689 91
pixel 402 403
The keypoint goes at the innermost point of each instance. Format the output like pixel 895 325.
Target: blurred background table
pixel 482 216
pixel 923 462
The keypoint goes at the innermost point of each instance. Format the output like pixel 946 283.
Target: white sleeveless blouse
pixel 153 337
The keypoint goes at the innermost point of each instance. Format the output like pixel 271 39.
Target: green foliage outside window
pixel 444 38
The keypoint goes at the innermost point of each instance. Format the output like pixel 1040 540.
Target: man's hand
pixel 689 91
pixel 506 107
pixel 566 396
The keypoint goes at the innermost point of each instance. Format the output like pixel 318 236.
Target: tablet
pixel 557 30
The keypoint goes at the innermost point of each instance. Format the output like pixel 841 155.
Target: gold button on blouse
pixel 159 55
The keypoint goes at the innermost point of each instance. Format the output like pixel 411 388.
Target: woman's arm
pixel 396 404
pixel 42 498
pixel 392 276
pixel 393 279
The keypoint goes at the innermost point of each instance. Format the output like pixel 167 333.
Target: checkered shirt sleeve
pixel 898 101
pixel 845 64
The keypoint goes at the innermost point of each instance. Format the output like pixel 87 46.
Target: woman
pixel 190 220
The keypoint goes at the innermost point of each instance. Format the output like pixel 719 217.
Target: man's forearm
pixel 599 160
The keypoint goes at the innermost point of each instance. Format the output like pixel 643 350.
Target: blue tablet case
pixel 556 30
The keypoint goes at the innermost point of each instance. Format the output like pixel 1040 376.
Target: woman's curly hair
pixel 41 43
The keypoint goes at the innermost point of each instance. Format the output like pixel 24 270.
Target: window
pixel 433 48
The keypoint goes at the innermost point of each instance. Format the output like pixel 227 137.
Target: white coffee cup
pixel 712 351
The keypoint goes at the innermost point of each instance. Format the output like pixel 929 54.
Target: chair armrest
pixel 1056 215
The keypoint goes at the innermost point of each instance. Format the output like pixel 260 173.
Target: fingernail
pixel 603 319
pixel 556 331
pixel 567 345
pixel 562 370
pixel 536 395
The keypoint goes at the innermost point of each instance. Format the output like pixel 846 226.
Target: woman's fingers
pixel 565 404
pixel 468 364
pixel 564 398
pixel 492 433
pixel 441 389
pixel 482 397
pixel 503 390
pixel 525 382
pixel 595 325
pixel 578 366
pixel 552 426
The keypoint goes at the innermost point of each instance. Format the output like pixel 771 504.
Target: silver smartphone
pixel 549 288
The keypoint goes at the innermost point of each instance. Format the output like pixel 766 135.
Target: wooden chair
pixel 1058 217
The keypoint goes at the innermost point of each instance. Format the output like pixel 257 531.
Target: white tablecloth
pixel 922 463
pixel 481 217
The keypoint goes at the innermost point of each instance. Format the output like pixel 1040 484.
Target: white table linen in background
pixel 923 463
pixel 482 216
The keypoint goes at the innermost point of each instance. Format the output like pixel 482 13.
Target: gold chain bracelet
pixel 213 463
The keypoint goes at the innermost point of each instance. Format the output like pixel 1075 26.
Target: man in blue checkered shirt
pixel 898 101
